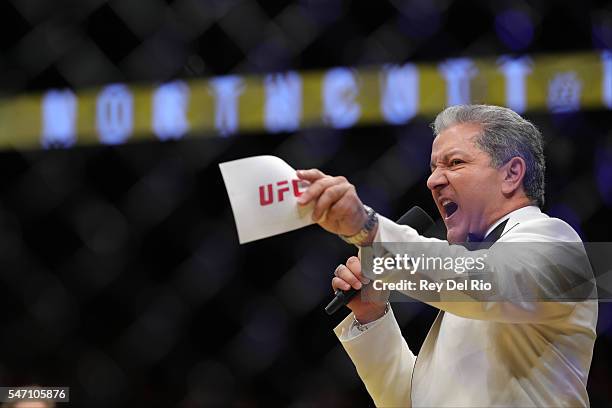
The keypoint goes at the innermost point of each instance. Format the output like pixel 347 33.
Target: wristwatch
pixel 360 237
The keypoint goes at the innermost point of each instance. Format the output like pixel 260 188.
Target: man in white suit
pixel 487 180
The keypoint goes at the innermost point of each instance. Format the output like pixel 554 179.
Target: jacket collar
pixel 515 217
pixel 502 226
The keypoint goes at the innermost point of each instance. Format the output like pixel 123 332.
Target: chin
pixel 454 237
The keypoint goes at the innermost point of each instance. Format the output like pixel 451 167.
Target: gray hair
pixel 505 134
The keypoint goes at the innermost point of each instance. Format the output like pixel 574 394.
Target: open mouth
pixel 450 208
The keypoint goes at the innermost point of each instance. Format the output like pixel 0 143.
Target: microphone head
pixel 418 219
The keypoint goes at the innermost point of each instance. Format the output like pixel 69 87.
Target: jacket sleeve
pixel 382 359
pixel 530 275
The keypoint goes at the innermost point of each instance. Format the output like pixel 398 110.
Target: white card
pixel 263 192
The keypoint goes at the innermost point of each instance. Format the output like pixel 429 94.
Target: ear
pixel 512 174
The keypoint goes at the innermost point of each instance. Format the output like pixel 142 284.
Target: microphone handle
pixel 341 298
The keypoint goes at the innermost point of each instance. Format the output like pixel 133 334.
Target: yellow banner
pixel 340 97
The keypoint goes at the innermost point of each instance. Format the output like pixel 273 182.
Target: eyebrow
pixel 449 153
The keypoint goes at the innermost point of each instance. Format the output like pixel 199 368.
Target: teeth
pixel 446 202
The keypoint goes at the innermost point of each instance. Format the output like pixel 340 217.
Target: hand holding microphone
pixel 338 209
pixel 348 279
pixel 415 218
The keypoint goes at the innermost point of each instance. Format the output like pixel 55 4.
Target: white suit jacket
pixel 481 354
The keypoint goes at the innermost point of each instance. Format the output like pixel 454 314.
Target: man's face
pixel 466 189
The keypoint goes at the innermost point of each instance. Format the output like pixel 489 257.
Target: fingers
pixel 338 283
pixel 310 175
pixel 318 187
pixel 354 265
pixel 349 275
pixel 329 197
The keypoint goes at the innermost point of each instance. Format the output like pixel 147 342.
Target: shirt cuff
pixel 347 329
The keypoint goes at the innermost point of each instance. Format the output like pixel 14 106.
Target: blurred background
pixel 121 275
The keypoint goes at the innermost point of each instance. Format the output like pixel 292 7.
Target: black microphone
pixel 416 218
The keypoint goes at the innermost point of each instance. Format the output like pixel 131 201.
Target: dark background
pixel 120 270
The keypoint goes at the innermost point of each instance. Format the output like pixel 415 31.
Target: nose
pixel 437 179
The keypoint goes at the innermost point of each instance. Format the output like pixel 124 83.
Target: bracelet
pixel 365 326
pixel 363 234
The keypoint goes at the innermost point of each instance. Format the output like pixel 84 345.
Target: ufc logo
pixel 266 193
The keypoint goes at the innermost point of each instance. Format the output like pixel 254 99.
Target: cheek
pixel 472 190
pixel 483 181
